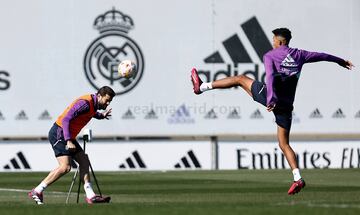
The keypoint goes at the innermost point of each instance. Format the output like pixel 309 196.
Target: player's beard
pixel 102 106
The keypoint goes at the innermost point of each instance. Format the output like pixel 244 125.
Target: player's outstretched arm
pixel 311 57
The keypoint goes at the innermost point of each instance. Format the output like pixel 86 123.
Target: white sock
pixel 296 173
pixel 88 190
pixel 41 187
pixel 206 86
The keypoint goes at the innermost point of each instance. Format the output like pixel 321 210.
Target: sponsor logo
pixel 16 161
pixel 133 162
pixel 112 46
pixel 247 159
pixel 45 116
pixel 357 115
pixel 338 114
pixel 238 54
pixel 289 62
pixel 151 115
pixel 211 115
pixel 21 116
pixel 234 115
pixel 128 115
pixel 4 80
pixel 256 115
pixel 289 66
pixel 188 161
pixel 316 114
pixel 181 115
pixel 350 158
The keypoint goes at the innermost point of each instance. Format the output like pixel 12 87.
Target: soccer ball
pixel 126 69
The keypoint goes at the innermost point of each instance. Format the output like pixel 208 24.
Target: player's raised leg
pixel 240 80
pixel 283 138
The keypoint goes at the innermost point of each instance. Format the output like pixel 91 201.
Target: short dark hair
pixel 106 90
pixel 283 32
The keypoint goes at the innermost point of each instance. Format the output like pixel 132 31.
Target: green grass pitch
pixel 191 192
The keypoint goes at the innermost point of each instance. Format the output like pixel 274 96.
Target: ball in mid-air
pixel 126 69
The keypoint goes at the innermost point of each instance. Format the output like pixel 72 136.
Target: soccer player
pixel 62 137
pixel 282 67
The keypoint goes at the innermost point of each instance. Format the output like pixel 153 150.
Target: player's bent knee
pixel 65 169
pixel 68 169
pixel 240 79
pixel 244 81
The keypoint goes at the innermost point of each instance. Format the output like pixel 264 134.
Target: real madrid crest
pixel 109 49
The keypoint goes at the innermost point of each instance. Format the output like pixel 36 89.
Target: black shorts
pixel 58 143
pixel 283 115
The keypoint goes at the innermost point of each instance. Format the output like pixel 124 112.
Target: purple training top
pixel 80 107
pixel 283 66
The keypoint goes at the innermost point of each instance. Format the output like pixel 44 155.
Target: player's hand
pixel 70 146
pixel 271 107
pixel 107 113
pixel 348 65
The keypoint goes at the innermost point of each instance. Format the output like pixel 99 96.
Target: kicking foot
pixel 196 81
pixel 37 197
pixel 296 186
pixel 98 199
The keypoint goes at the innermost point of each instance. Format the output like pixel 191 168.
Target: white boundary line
pixel 26 191
pixel 313 205
pixel 320 205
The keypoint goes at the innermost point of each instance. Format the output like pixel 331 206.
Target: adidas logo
pixel 1 116
pixel 188 161
pixel 338 114
pixel 234 115
pixel 256 115
pixel 128 115
pixel 211 115
pixel 45 116
pixel 14 162
pixel 133 162
pixel 181 115
pixel 21 116
pixel 316 114
pixel 357 115
pixel 238 54
pixel 289 62
pixel 151 115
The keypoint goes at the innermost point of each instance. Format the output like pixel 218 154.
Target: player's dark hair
pixel 283 32
pixel 106 90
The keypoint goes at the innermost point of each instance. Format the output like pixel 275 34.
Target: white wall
pixel 43 46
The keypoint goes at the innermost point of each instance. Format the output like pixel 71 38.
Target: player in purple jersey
pixel 62 137
pixel 282 67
